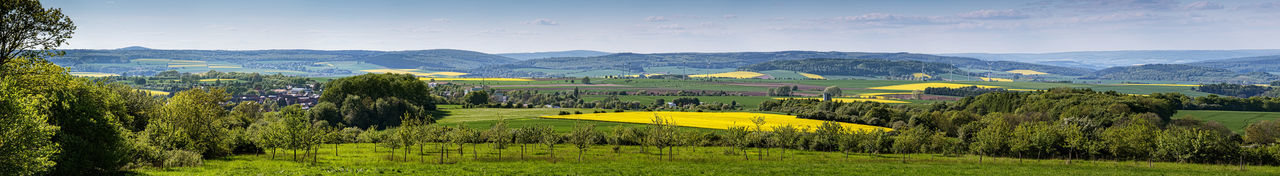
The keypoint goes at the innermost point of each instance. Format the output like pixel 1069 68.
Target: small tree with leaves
pixel 499 135
pixel 582 136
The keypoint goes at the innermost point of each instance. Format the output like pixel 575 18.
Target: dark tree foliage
pixel 30 30
pixel 1235 90
pixel 1215 102
pixel 961 91
pixel 1090 107
pixel 855 67
pixel 682 101
pixel 379 99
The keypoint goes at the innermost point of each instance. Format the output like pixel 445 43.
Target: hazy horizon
pixel 675 26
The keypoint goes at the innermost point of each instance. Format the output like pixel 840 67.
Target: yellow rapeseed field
pixel 1027 72
pixel 92 74
pixel 996 79
pixel 921 86
pixel 414 72
pixel 1177 85
pixel 155 92
pixel 476 79
pixel 736 74
pixel 713 120
pixel 811 76
pixel 853 100
pixel 920 75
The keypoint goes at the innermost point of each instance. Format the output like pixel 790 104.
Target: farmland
pixel 713 120
pixel 1234 120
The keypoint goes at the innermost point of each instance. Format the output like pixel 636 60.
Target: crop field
pixel 746 102
pixel 712 120
pixel 735 74
pixel 851 100
pixel 922 86
pixel 155 92
pixel 1176 85
pixel 996 79
pixel 1027 72
pixel 1235 120
pixel 476 79
pixel 415 72
pixel 92 74
pixel 811 76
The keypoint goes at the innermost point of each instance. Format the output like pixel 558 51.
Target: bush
pixel 577 112
pixel 181 158
pixel 564 113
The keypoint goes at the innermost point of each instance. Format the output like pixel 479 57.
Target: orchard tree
pixel 499 135
pixel 550 139
pixel 582 136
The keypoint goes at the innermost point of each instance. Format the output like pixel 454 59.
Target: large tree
pixel 31 30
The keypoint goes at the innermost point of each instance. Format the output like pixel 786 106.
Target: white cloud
pixel 655 19
pixel 730 16
pixel 543 21
pixel 1202 5
pixel 994 15
pixel 442 20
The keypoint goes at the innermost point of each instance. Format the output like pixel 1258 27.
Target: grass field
pixel 359 159
pixel 851 99
pixel 712 120
pixel 1235 120
pixel 735 74
pixel 922 86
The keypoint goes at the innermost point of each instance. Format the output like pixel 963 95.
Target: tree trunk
pixel 295 155
pixel 442 152
pixel 521 151
pixel 474 155
pixel 335 149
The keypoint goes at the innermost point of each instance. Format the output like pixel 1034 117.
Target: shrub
pixel 182 158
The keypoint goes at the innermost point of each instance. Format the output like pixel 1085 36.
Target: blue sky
pixel 677 26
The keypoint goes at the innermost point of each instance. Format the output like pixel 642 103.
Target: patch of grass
pixel 1235 120
pixel 360 159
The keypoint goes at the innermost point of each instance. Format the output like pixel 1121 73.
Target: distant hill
pixel 540 55
pixel 134 48
pixel 1246 64
pixel 1105 59
pixel 1179 72
pixel 437 59
pixel 855 67
pixel 637 62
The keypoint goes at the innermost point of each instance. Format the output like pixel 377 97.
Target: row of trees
pixel 961 91
pixel 1237 90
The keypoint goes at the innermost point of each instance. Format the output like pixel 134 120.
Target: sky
pixel 660 26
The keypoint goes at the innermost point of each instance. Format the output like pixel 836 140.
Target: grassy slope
pixel 358 159
pixel 1236 120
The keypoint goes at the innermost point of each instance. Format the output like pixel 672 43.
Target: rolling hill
pixel 541 55
pixel 1246 64
pixel 1105 59
pixel 1179 72
pixel 638 62
pixel 437 59
pixel 855 67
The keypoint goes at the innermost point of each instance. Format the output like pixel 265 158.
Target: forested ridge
pixel 1180 72
pixel 855 67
